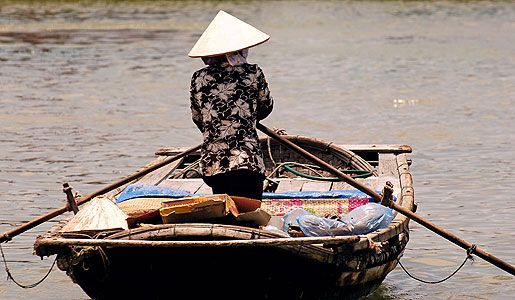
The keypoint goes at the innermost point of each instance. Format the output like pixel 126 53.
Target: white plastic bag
pixel 362 220
pixel 291 218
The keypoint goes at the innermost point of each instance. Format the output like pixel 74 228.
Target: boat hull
pixel 229 261
pixel 199 273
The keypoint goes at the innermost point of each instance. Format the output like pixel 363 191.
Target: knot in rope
pixel 470 251
pixel 280 131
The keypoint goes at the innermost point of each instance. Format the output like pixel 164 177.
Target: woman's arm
pixel 265 101
pixel 196 116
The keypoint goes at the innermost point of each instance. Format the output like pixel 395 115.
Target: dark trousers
pixel 243 183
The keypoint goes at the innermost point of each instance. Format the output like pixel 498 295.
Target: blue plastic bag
pixel 362 220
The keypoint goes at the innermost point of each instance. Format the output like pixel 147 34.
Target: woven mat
pixel 141 206
pixel 319 207
pixel 276 207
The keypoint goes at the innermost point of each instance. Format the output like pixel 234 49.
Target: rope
pixel 270 151
pixel 359 173
pixel 33 285
pixel 469 256
pixel 191 170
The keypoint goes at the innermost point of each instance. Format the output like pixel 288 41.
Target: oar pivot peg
pixel 72 205
pixel 387 199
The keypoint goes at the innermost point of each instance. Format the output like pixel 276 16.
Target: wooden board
pixel 371 182
pixel 388 165
pixel 204 189
pixel 357 148
pixel 290 185
pixel 161 174
pixel 317 186
pixel 192 185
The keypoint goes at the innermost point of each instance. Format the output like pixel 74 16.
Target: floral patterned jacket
pixel 226 103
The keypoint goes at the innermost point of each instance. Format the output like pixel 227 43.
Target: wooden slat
pixel 172 183
pixel 370 182
pixel 170 151
pixel 290 185
pixel 406 182
pixel 316 186
pixel 388 165
pixel 161 174
pixel 204 189
pixel 379 148
pixel 357 148
pixel 192 185
pixel 375 183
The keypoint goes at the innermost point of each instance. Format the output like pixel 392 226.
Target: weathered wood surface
pixel 404 192
pixel 317 186
pixel 388 165
pixel 290 185
pixel 191 185
pixel 379 148
pixel 204 189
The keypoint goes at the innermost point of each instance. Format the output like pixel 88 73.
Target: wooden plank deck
pixel 192 185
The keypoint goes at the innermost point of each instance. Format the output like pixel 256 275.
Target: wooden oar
pixel 31 224
pixel 472 249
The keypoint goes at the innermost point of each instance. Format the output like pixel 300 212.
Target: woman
pixel 228 97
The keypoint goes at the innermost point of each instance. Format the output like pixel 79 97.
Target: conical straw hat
pixel 226 34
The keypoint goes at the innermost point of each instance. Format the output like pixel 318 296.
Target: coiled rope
pixel 288 166
pixel 29 286
pixel 469 256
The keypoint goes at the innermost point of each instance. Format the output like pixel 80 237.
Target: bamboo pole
pixel 471 249
pixel 7 236
pixel 215 243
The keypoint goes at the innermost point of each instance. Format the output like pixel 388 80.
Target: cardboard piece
pixel 190 209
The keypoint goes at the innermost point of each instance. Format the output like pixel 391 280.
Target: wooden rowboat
pixel 225 259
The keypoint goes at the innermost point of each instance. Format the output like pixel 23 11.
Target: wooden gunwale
pixel 197 243
pixel 400 222
pixel 379 148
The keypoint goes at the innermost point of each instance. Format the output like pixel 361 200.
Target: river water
pixel 90 89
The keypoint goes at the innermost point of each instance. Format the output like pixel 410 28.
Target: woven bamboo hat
pixel 226 34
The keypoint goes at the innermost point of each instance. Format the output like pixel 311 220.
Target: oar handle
pixel 388 202
pixel 7 236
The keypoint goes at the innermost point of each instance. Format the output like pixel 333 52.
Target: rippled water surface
pixel 89 90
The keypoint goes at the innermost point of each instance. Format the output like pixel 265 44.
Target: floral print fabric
pixel 226 103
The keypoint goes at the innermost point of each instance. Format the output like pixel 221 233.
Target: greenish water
pixel 90 89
